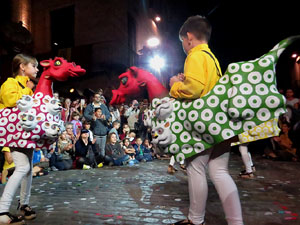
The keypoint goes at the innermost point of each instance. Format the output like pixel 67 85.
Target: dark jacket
pixel 89 111
pixel 99 127
pixel 81 149
pixel 115 151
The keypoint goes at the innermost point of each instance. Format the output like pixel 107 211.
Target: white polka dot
pixel 26 135
pixel 248 125
pixel 269 76
pixel 9 137
pixel 208 138
pixel 6 112
pixel 272 101
pixel 279 111
pixel 246 89
pixel 176 127
pixel 22 143
pixel 193 115
pixel 38 95
pixel 196 136
pixel 180 157
pixel 3 121
pixel 248 114
pixel 219 89
pixel 239 101
pixel 172 117
pixel 233 113
pixel 213 101
pixel 199 147
pixel 232 92
pixel 198 103
pixel 176 105
pixel 186 104
pixel 31 145
pixel 186 149
pixel 174 148
pixel 2 141
pixel 273 89
pixel 40 142
pixel 214 128
pixel 263 114
pixel 235 125
pixel 43 108
pixel 11 128
pixel 224 105
pixel 181 114
pixel 221 118
pixel 57 118
pixel 227 133
pixel 2 131
pixel 264 62
pixel 199 126
pixel 233 67
pixel 15 109
pixel 49 117
pixel 185 137
pixel 247 67
pixel 35 137
pixel 13 145
pixel 19 127
pixel 187 125
pixel 236 79
pixel 254 77
pixel 261 89
pixel 254 101
pixel 17 136
pixel 12 117
pixel 224 79
pixel 270 57
pixel 207 115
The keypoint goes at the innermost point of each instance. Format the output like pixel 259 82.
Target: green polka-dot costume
pixel 243 98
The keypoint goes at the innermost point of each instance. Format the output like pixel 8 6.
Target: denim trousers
pixel 22 175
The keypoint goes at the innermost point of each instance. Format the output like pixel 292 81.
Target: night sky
pixel 242 30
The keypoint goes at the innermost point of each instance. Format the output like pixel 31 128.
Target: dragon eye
pixel 160 131
pixel 124 80
pixel 53 102
pixel 57 63
pixel 30 118
pixel 27 98
pixel 53 127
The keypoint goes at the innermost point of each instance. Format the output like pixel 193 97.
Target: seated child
pixel 141 152
pixel 114 154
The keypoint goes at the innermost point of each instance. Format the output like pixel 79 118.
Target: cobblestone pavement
pixel 146 194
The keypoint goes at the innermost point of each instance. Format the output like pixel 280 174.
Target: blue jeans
pixel 100 144
pixel 117 162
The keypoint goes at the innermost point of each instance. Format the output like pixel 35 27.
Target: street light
pixel 153 42
pixel 157 63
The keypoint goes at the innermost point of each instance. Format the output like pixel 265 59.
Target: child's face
pixel 146 142
pixel 87 126
pixel 76 117
pixel 126 142
pixel 139 141
pixel 185 45
pixel 98 113
pixel 30 70
pixel 113 138
pixel 64 135
pixel 285 128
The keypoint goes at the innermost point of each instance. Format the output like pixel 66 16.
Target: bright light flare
pixel 157 63
pixel 72 90
pixel 153 42
pixel 294 55
pixel 157 19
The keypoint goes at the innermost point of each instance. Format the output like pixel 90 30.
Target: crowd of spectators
pixel 97 135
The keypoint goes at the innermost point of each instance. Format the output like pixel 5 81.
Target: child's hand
pixel 30 84
pixel 181 76
pixel 173 80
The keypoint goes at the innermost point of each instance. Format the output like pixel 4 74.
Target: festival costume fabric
pixel 35 122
